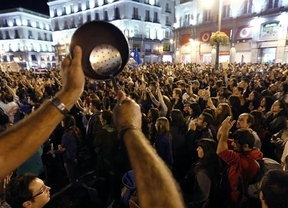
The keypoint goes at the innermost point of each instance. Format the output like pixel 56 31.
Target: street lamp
pixel 220 14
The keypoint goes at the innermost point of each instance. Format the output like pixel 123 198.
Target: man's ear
pixel 245 146
pixel 27 204
pixel 205 124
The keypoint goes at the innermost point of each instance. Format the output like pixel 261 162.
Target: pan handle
pixel 114 84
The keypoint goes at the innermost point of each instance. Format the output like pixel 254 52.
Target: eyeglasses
pixel 41 192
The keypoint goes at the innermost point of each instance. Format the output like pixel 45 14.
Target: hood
pixel 255 154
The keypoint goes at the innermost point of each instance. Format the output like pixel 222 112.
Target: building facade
pixel 26 39
pixel 257 30
pixel 146 23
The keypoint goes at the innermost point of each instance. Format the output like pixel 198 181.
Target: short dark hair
pixel 17 190
pixel 107 116
pixel 250 118
pixel 240 89
pixel 208 118
pixel 134 96
pixel 97 104
pixel 178 91
pixel 234 101
pixel 274 188
pixel 246 80
pixel 243 136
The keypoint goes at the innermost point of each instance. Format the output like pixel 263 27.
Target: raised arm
pixel 19 142
pixel 10 90
pixel 153 99
pixel 155 184
pixel 223 134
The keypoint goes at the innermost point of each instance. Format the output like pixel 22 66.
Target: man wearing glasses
pixel 27 191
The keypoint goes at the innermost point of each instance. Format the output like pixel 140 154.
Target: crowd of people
pixel 211 129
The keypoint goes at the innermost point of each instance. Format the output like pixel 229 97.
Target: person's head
pixel 153 114
pixel 243 140
pixel 254 96
pixel 177 116
pixel 259 120
pixel 223 108
pixel 267 102
pixel 232 82
pixel 195 85
pixel 222 92
pixel 68 121
pixel 234 101
pixel 222 111
pixel 194 109
pixel 238 91
pixel 245 120
pixel 244 83
pixel 206 149
pixel 11 108
pixel 27 191
pixel 284 88
pixel 153 86
pixel 106 117
pixel 162 125
pixel 95 105
pixel 177 93
pixel 181 85
pixel 204 120
pixel 5 122
pixel 274 189
pixel 278 106
pixel 134 96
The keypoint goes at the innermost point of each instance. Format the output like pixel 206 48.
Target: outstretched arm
pixel 19 142
pixel 155 184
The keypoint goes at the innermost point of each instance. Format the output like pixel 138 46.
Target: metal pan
pixel 105 49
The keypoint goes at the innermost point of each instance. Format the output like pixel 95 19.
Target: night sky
pixel 35 5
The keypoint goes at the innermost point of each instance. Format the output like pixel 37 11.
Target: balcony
pixel 156 20
pixel 168 10
pixel 168 24
pixel 148 19
pixel 136 17
pixel 117 17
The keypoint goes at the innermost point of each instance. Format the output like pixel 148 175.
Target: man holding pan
pixel 19 142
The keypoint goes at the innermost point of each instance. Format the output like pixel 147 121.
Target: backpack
pixel 251 190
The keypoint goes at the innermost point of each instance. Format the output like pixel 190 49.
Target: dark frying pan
pixel 105 49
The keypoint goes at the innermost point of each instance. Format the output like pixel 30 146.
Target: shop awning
pixel 205 36
pixel 185 39
pixel 244 32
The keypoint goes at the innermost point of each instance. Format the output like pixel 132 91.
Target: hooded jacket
pixel 240 164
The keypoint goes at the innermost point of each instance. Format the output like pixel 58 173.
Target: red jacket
pixel 240 164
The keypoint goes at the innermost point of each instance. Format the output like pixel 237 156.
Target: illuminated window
pixel 226 11
pixel 207 15
pixel 247 7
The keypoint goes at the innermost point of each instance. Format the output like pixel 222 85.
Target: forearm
pixel 223 142
pixel 10 90
pixel 155 184
pixel 153 99
pixel 19 142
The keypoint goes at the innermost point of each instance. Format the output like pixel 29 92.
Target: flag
pixel 137 57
